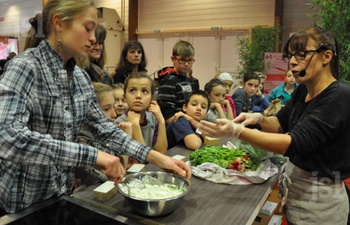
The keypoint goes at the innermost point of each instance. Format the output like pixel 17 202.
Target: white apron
pixel 309 199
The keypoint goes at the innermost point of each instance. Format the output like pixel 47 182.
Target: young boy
pixel 183 130
pixel 148 124
pixel 174 84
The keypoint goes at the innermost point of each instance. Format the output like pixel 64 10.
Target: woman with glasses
pixel 174 83
pixel 312 130
pixel 132 59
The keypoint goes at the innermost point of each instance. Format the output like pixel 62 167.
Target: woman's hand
pixel 221 127
pixel 249 118
pixel 169 164
pixel 110 165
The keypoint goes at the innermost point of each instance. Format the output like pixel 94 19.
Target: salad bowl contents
pixel 154 193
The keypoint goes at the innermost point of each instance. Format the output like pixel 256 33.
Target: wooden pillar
pixel 133 19
pixel 279 21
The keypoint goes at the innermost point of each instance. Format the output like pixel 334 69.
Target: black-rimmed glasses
pixel 183 61
pixel 298 55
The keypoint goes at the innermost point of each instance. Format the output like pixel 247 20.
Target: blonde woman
pixel 45 99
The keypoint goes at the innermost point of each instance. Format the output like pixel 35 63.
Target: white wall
pixel 212 26
pixel 188 19
pixel 199 14
pixel 215 51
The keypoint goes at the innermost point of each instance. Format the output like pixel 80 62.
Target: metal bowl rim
pixel 154 200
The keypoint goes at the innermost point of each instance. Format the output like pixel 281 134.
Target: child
pixel 148 124
pixel 88 175
pixel 182 130
pixel 216 90
pixel 105 98
pixel 261 102
pixel 120 105
pixel 285 90
pixel 245 96
pixel 228 81
pixel 174 84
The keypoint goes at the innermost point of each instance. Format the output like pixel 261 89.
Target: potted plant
pixel 334 16
pixel 251 50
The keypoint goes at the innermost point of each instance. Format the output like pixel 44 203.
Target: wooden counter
pixel 207 202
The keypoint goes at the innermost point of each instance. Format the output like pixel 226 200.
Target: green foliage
pixel 334 16
pixel 251 50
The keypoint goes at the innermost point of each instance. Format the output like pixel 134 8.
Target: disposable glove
pixel 221 127
pixel 248 118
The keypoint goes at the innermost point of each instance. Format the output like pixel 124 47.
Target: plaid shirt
pixel 41 113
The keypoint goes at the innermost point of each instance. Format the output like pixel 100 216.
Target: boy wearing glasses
pixel 174 84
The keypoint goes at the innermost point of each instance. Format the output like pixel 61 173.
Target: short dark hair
pixel 183 48
pixel 251 75
pixel 198 92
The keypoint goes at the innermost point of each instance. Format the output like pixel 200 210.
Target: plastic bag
pixel 275 106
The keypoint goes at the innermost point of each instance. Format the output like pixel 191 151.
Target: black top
pixel 120 76
pixel 174 88
pixel 320 130
pixel 2 65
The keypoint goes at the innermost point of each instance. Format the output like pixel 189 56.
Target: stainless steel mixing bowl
pixel 155 207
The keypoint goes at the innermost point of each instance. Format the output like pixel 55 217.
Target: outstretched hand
pixel 248 118
pixel 221 128
pixel 169 164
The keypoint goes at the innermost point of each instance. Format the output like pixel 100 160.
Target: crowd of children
pixel 170 115
pixel 59 123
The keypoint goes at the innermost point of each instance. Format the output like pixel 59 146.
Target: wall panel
pixel 184 14
pixel 296 17
pixel 215 51
pixel 121 6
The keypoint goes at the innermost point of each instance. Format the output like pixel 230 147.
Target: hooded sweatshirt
pixel 174 89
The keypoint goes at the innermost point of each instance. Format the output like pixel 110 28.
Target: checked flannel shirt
pixel 41 113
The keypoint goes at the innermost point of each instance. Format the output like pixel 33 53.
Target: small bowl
pixel 155 207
